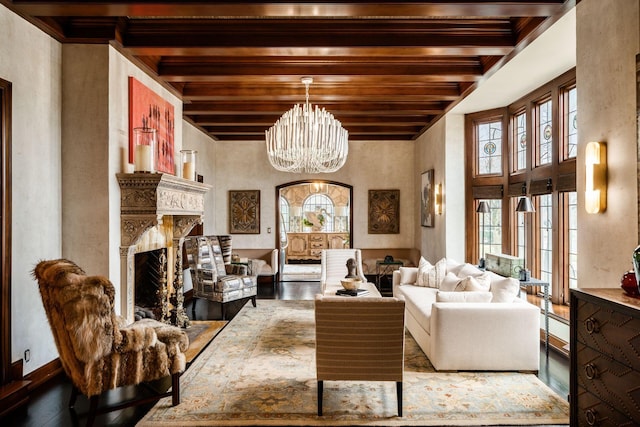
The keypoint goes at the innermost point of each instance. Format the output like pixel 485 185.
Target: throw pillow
pixel 479 283
pixel 408 275
pixel 436 274
pixel 423 268
pixel 467 269
pixel 451 283
pixel 463 296
pixel 505 289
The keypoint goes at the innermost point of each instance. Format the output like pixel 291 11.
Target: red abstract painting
pixel 149 110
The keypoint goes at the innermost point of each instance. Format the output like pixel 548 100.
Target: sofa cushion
pixel 431 275
pixel 408 275
pixel 419 301
pixel 474 296
pixel 504 289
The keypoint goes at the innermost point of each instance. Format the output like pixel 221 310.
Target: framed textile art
pixel 147 109
pixel 244 211
pixel 427 206
pixel 384 211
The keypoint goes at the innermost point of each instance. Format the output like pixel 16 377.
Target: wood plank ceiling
pixel 387 70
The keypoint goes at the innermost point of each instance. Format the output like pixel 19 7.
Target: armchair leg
pixel 253 300
pixel 74 396
pixel 320 388
pixel 193 307
pixel 399 396
pixel 175 389
pixel 93 410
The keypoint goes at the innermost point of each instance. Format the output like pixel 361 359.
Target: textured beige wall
pixel 607 44
pixel 194 139
pixel 31 62
pixel 441 148
pixel 372 165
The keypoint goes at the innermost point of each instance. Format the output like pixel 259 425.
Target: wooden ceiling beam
pixel 388 8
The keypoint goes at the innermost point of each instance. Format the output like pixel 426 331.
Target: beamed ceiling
pixel 387 70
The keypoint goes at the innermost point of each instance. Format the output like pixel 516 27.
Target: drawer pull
pixel 592 325
pixel 591 417
pixel 591 371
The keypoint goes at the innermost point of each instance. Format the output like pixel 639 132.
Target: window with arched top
pixel 319 206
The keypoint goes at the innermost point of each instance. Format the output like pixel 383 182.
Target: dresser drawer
pixel 317 245
pixel 610 332
pixel 609 381
pixel 592 411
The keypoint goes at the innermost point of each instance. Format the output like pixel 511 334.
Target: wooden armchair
pixel 359 339
pixel 96 350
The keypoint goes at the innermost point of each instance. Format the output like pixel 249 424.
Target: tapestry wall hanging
pixel 384 211
pixel 427 207
pixel 147 109
pixel 244 211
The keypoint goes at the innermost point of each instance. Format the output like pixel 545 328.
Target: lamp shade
pixel 483 207
pixel 525 205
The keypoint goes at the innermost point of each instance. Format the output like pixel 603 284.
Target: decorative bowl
pixel 629 284
pixel 351 284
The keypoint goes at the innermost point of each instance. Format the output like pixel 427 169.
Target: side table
pixel 385 269
pixel 545 285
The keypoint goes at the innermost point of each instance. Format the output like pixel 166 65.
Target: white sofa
pixel 456 332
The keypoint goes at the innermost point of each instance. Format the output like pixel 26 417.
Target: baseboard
pixel 15 393
pixel 45 373
pixel 556 344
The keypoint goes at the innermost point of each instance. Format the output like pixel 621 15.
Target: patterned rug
pixel 260 370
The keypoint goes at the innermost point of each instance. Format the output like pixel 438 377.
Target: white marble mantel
pixel 157 211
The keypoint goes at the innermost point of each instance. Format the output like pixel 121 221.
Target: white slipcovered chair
pixel 333 266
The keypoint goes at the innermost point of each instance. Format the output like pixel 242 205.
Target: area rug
pixel 260 370
pixel 200 333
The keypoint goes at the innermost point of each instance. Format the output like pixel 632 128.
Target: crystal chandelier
pixel 307 140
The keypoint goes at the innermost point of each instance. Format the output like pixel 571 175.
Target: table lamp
pixel 483 208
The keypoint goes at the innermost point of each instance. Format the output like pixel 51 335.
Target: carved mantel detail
pixel 157 210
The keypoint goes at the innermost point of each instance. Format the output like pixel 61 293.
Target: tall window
pixel 545 236
pixel 490 237
pixel 489 148
pixel 520 141
pixel 572 232
pixel 570 122
pixel 540 145
pixel 284 214
pixel 544 136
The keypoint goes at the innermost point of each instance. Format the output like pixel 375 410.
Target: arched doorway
pixel 313 215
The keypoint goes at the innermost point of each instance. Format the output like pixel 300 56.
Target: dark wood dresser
pixel 605 358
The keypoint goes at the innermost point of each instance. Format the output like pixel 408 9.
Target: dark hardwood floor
pixel 48 405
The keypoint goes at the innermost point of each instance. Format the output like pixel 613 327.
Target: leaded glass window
pixel 545 212
pixel 520 141
pixel 571 123
pixel 321 206
pixel 545 132
pixel 493 228
pixel 572 244
pixel 489 148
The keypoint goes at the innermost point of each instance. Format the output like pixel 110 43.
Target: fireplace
pixel 156 212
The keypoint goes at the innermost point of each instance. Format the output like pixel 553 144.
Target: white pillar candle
pixel 189 170
pixel 143 158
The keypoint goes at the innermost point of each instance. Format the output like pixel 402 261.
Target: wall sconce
pixel 595 195
pixel 438 199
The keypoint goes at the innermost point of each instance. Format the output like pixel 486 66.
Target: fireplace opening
pixel 150 274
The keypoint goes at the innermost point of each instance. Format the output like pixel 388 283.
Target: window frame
pixel 553 178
